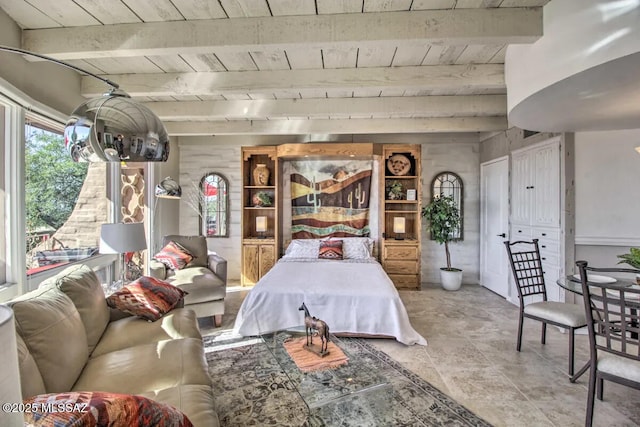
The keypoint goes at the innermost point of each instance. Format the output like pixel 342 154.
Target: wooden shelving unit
pixel 258 247
pixel 400 252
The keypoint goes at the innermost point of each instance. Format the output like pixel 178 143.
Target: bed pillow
pixel 330 249
pixel 147 297
pixel 303 248
pixel 174 256
pixel 356 247
pixel 96 408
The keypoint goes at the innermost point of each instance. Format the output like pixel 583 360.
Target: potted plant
pixel 443 218
pixel 394 190
pixel 262 198
pixel 633 259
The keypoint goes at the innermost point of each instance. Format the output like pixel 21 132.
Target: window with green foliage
pixel 60 227
pixel 52 207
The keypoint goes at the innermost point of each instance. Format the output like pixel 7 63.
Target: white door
pixel 494 225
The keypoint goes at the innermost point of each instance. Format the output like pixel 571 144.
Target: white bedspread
pixel 351 296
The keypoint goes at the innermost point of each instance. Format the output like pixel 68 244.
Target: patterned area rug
pixel 250 388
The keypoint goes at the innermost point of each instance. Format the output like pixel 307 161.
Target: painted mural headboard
pixel 330 198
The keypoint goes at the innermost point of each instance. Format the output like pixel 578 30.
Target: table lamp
pixel 398 227
pixel 122 238
pixel 261 226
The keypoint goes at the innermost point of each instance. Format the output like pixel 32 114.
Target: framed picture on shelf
pixel 411 194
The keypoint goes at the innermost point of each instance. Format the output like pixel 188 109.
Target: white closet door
pixel 521 194
pixel 546 186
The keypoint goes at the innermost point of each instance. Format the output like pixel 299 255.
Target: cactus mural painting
pixel 330 198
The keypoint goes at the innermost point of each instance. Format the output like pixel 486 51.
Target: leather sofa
pixel 70 340
pixel 204 278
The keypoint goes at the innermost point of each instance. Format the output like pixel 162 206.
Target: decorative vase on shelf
pixel 261 174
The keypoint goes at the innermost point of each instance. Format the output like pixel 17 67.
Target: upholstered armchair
pixel 204 277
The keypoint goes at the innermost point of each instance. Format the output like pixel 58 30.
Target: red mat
pixel 307 361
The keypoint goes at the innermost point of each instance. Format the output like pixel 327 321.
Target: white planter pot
pixel 451 280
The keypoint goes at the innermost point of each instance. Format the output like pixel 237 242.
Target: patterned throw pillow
pixel 174 256
pixel 147 297
pixel 330 249
pixel 96 408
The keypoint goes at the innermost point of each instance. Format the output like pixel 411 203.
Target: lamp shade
pixel 168 189
pixel 10 391
pixel 261 224
pixel 398 224
pixel 115 128
pixel 122 237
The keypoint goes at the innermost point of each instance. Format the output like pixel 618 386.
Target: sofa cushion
pixel 50 325
pixel 195 401
pixel 96 408
pixel 174 256
pixel 147 297
pixel 132 331
pixel 200 284
pixel 31 382
pixel 196 245
pixel 146 367
pixel 81 284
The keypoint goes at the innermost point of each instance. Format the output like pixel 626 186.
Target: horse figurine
pixel 320 327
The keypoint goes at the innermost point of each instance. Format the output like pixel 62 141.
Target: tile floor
pixel 471 356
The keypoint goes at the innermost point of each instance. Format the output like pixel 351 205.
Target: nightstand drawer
pixel 401 252
pixel 405 281
pixel 401 267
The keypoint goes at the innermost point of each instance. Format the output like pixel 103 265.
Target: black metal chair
pixel 526 266
pixel 614 325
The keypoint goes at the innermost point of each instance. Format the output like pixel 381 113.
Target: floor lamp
pixel 121 238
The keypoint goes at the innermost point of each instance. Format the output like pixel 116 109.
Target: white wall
pixel 463 159
pixel 607 188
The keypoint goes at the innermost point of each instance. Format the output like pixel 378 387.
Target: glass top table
pixel 573 283
pixel 332 395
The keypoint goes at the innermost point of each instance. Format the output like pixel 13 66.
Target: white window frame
pixel 17 106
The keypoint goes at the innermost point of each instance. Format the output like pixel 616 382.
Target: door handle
pixel 503 235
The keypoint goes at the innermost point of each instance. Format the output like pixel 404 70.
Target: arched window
pixel 450 184
pixel 214 209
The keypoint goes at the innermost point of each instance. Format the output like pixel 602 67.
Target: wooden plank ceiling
pixel 293 66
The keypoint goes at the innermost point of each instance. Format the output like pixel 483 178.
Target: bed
pixel 353 295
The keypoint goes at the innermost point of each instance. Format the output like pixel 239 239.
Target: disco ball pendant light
pixel 115 128
pixel 111 128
